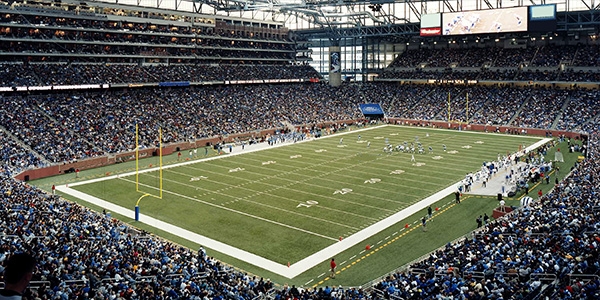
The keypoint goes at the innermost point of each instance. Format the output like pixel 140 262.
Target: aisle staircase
pixel 24 145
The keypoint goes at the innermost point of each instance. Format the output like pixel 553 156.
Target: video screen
pixel 431 20
pixel 485 21
pixel 542 18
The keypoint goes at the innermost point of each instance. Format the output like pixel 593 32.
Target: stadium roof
pixel 319 14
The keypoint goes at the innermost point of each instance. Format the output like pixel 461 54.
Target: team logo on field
pixel 236 170
pixel 198 178
pixel 396 172
pixel 268 162
pixel 453 152
pixel 437 157
pixel 373 180
pixel 467 147
pixel 343 191
pixel 295 156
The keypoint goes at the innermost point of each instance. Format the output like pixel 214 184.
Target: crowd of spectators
pixel 477 57
pixel 63 127
pixel 56 142
pixel 16 158
pixel 76 74
pixel 587 56
pixel 82 254
pixel 549 248
pixel 91 37
pixel 500 106
pixel 540 63
pixel 583 107
pixel 541 107
pixel 94 255
pixel 86 254
pixel 496 74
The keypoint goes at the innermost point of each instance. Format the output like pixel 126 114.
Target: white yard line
pixel 237 212
pixel 269 265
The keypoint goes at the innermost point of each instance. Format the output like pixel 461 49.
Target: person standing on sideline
pixel 502 203
pixel 540 193
pixel 424 224
pixel 332 266
pixel 53 189
pixel 479 222
pixel 18 270
pixel 429 213
pixel 76 173
pixel 457 197
pixel 486 219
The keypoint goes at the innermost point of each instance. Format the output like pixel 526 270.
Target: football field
pixel 290 201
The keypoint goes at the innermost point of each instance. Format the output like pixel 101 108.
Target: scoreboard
pixel 539 18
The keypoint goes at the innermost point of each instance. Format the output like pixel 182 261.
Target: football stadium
pixel 250 150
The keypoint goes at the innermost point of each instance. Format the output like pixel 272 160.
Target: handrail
pixel 544 277
pixel 143 279
pixel 32 284
pixel 76 282
pixel 474 274
pixel 573 277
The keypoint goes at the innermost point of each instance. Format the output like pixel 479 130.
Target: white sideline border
pixel 259 261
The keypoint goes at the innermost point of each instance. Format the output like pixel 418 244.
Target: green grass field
pixel 286 203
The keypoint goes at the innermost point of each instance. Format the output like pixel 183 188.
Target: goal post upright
pixel 160 164
pixel 448 107
pixel 137 159
pixel 137 170
pixel 467 110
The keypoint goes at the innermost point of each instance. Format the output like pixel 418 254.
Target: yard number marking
pixel 343 191
pixel 308 203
